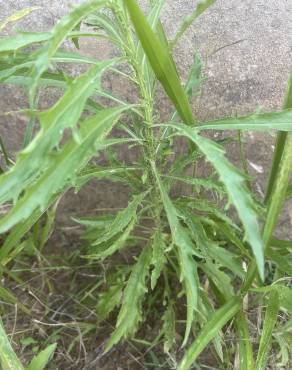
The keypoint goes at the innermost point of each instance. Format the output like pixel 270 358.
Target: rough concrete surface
pixel 247 49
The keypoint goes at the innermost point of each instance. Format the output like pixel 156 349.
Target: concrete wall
pixel 247 47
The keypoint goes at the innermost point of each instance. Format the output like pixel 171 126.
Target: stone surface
pixel 247 49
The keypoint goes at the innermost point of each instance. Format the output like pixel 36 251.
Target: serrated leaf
pixel 97 172
pixel 109 300
pixel 98 252
pixel 158 258
pixel 65 113
pixel 268 327
pixel 168 328
pixel 59 34
pixel 185 251
pixel 209 331
pixel 238 194
pixel 121 221
pixel 62 168
pixel 205 184
pixel 8 358
pixel 40 361
pixel 131 311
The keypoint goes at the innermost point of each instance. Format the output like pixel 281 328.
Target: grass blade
pixel 280 143
pixel 8 358
pixel 246 361
pixel 189 20
pixel 17 16
pixel 269 324
pixel 209 332
pixel 40 361
pixel 160 61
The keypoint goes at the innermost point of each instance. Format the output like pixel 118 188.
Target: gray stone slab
pixel 247 50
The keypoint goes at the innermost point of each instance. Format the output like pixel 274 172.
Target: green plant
pixel 185 248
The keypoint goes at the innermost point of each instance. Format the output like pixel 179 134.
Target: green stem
pixel 280 143
pixel 275 204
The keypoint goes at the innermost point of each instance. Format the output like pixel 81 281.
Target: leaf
pixel 205 184
pixel 62 168
pixel 17 16
pixel 64 114
pixel 209 331
pixel 22 40
pixel 235 186
pixel 8 358
pixel 103 21
pixel 8 297
pixel 97 172
pixel 59 34
pixel 246 361
pixel 158 257
pixel 121 221
pixel 185 251
pixel 254 122
pixel 131 311
pixel 19 231
pixel 280 144
pixel 102 253
pixel 168 328
pixel 189 20
pixel 268 327
pixel 40 361
pixel 160 61
pixel 195 76
pixel 153 20
pixel 278 195
pixel 109 300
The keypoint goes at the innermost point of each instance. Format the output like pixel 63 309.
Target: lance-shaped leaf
pixel 65 113
pixel 40 361
pixel 246 360
pixel 22 40
pixel 17 16
pixel 131 311
pixel 190 19
pixel 63 167
pixel 281 120
pixel 158 257
pixel 160 61
pixel 235 184
pixel 269 325
pixel 185 252
pixel 209 332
